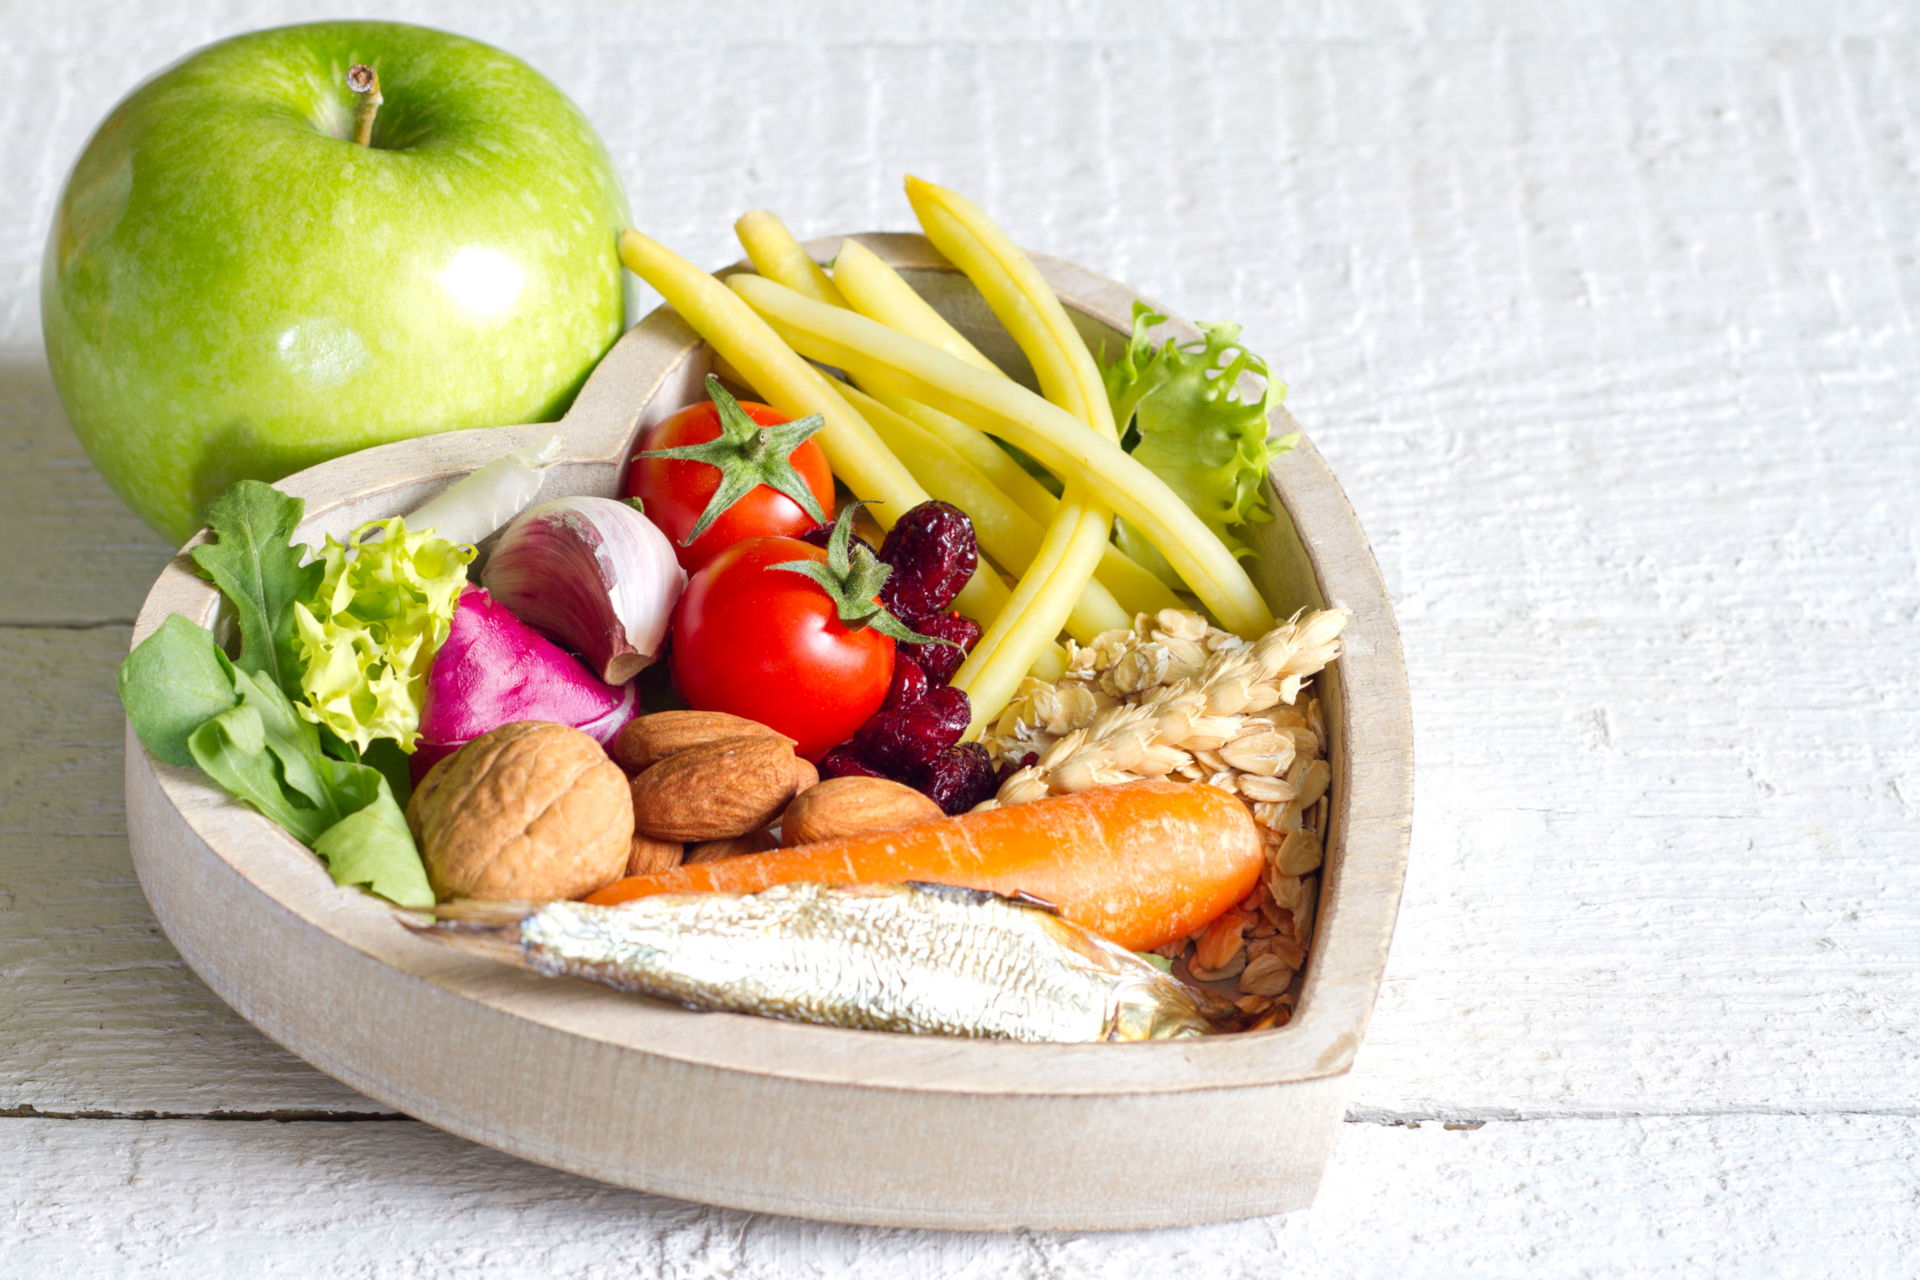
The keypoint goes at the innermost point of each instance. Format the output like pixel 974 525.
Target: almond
pixel 715 791
pixel 716 850
pixel 805 776
pixel 649 739
pixel 648 855
pixel 851 807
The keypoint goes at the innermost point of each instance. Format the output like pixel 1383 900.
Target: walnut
pixel 530 811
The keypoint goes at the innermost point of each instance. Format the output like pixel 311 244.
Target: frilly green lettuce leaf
pixel 1181 412
pixel 368 632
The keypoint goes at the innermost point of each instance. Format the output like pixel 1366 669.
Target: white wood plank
pixel 1634 900
pixel 75 554
pixel 1608 332
pixel 1775 1196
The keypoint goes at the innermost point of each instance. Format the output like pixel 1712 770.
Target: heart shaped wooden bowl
pixel 822 1123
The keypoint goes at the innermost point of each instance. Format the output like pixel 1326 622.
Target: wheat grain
pixel 1174 697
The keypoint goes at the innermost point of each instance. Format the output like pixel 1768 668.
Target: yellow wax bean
pixel 1060 441
pixel 1139 590
pixel 1008 534
pixel 776 255
pixel 791 385
pixel 972 444
pixel 1071 549
pixel 1050 667
pixel 1020 296
pixel 875 289
pixel 1063 568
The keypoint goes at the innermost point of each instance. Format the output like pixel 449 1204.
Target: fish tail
pixel 489 929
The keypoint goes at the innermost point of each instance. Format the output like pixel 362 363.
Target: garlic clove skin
pixel 471 508
pixel 592 574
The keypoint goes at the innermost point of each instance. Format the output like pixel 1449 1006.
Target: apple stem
pixel 365 81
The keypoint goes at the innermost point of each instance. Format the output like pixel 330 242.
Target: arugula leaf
pixel 264 753
pixel 173 682
pixel 372 846
pixel 232 749
pixel 1191 426
pixel 294 744
pixel 256 564
pixel 385 755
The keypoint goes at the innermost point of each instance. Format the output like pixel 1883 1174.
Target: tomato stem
pixel 748 456
pixel 852 577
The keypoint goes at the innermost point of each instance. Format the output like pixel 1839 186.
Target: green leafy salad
pixel 1181 412
pixel 305 723
pixel 316 717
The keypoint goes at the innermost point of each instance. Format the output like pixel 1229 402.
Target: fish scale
pixel 927 959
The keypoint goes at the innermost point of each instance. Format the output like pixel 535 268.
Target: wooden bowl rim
pixel 1372 794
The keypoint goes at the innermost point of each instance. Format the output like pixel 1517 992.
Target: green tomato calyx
pixel 748 455
pixel 852 577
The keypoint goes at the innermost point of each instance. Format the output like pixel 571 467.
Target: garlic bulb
pixel 592 574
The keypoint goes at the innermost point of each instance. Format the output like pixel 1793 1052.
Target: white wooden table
pixel 1604 314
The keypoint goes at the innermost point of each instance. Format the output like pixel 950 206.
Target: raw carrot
pixel 1141 864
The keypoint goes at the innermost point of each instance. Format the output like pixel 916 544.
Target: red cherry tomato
pixel 675 491
pixel 768 644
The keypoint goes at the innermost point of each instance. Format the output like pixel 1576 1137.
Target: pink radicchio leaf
pixel 494 669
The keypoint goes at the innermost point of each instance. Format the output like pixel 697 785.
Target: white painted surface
pixel 1683 1197
pixel 1605 317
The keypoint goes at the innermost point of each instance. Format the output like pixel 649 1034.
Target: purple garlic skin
pixel 593 575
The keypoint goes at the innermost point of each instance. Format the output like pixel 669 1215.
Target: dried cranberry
pixel 959 778
pixel 933 553
pixel 842 763
pixel 909 684
pixel 940 661
pixel 901 743
pixel 1010 766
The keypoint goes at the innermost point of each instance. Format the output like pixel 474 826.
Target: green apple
pixel 235 287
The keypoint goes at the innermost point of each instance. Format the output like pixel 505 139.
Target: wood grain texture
pixel 1604 315
pixel 52 493
pixel 1781 1197
pixel 98 1013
